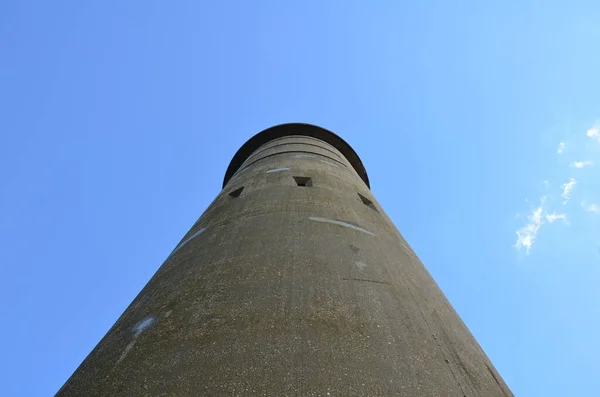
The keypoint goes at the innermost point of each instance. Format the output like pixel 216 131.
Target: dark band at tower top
pixel 301 129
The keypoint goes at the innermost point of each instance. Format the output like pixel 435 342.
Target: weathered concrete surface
pixel 290 291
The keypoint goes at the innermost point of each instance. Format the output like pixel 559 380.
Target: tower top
pixel 288 129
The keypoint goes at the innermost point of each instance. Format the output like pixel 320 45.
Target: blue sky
pixel 118 120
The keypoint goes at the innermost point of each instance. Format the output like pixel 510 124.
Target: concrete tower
pixel 294 282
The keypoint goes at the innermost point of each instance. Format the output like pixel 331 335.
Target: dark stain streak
pixel 369 281
pixel 456 358
pixel 436 340
pixel 496 379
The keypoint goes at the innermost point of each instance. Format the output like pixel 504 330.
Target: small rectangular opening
pixel 367 202
pixel 236 192
pixel 303 181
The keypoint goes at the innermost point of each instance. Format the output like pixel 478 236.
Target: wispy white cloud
pixel 567 187
pixel 527 234
pixel 581 164
pixel 539 216
pixel 594 133
pixel 554 216
pixel 590 207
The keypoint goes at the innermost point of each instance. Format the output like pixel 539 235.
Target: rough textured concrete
pixel 287 290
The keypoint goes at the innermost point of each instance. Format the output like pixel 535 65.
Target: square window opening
pixel 367 202
pixel 236 192
pixel 303 181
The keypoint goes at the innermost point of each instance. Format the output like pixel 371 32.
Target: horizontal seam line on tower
pixel 292 143
pixel 292 151
pixel 292 137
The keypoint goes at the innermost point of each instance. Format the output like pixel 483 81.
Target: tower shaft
pixel 293 282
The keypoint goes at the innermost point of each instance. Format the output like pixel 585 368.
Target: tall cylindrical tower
pixel 294 282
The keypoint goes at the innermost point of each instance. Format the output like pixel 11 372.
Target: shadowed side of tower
pixel 294 282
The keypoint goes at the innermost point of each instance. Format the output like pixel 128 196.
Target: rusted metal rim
pixel 287 129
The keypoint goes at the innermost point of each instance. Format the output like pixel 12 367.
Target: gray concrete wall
pixel 290 291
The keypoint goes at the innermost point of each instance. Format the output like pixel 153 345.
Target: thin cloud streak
pixel 561 148
pixel 590 207
pixel 554 216
pixel 567 188
pixel 581 164
pixel 527 234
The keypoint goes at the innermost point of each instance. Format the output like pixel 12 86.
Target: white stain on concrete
pixel 361 265
pixel 143 325
pixel 304 156
pixel 138 329
pixel 187 240
pixel 340 223
pixel 328 162
pixel 277 170
pixel 127 349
